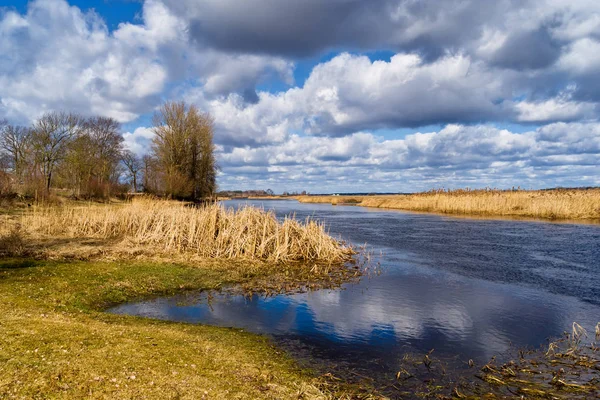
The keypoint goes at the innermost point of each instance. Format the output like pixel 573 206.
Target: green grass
pixel 56 341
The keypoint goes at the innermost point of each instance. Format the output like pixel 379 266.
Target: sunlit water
pixel 468 288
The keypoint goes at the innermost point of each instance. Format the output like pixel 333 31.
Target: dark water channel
pixel 468 288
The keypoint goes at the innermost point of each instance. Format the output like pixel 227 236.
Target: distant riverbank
pixel 571 204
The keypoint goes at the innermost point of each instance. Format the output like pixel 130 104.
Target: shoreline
pixel 577 206
pixel 56 285
pixel 57 338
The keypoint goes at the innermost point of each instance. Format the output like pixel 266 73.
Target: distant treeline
pixel 245 193
pixel 257 193
pixel 85 156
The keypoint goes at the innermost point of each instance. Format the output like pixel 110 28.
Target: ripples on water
pixel 464 287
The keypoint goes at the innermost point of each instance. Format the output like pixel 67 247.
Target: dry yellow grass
pixel 56 342
pixel 550 204
pixel 208 231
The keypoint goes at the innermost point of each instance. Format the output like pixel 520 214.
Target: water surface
pixel 468 288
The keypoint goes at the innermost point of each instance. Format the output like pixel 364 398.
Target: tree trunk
pixel 48 181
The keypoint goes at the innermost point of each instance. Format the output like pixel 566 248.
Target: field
pixel 548 204
pixel 61 267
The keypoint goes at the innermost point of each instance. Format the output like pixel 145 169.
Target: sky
pixel 329 96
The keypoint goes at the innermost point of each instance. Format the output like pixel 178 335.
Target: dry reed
pixel 549 204
pixel 206 231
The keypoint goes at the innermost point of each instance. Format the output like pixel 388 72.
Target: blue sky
pixel 112 11
pixel 343 95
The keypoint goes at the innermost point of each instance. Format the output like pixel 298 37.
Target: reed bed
pixel 570 204
pixel 206 231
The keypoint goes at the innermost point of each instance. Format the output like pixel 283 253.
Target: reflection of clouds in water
pixel 455 320
pixel 471 318
pixel 355 316
pixel 463 287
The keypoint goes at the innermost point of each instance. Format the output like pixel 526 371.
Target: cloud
pixel 528 50
pixel 350 93
pixel 457 155
pixel 456 62
pixel 453 63
pixel 62 58
pixel 431 28
pixel 139 141
pixel 555 110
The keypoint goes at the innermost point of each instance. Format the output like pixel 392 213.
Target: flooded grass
pixel 567 368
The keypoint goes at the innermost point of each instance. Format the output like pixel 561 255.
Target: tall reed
pixel 550 204
pixel 207 231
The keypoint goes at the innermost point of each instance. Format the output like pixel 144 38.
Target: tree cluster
pixel 86 156
pixel 182 162
pixel 62 150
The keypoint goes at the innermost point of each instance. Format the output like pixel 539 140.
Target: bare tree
pixel 107 145
pixel 184 148
pixel 134 165
pixel 5 178
pixel 16 142
pixel 51 137
pixel 151 174
pixel 93 158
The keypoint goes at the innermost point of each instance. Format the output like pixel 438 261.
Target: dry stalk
pixel 207 231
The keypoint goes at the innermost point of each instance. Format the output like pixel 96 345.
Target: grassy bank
pixel 62 266
pixel 55 341
pixel 550 204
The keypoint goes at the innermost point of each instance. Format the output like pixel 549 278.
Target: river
pixel 468 288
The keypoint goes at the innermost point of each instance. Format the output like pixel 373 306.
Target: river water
pixel 468 288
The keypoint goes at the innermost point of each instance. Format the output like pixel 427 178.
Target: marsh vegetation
pixel 573 204
pixel 62 266
pixel 209 230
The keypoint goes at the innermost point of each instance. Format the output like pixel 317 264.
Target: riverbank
pixel 547 204
pixel 62 266
pixel 55 341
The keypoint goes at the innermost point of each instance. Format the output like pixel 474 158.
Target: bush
pixel 12 243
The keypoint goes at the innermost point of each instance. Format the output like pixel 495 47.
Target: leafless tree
pixel 184 148
pixel 107 143
pixel 16 142
pixel 151 174
pixel 134 165
pixel 52 134
pixel 93 157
